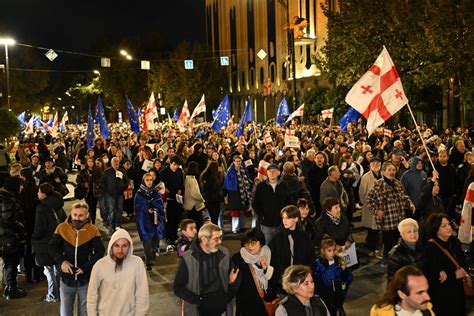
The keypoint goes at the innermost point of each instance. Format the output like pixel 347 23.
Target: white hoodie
pixel 122 292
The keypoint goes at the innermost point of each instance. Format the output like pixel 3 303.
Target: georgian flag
pixel 55 128
pixel 327 113
pixel 184 116
pixel 200 108
pixel 29 125
pixel 379 93
pixel 465 227
pixel 151 113
pixel 64 120
pixel 299 112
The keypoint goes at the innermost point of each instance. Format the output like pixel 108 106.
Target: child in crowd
pixel 188 230
pixel 332 277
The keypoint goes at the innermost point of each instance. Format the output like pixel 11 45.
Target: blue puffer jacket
pixel 413 179
pixel 145 220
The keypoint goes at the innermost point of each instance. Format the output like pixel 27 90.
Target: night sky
pixel 75 25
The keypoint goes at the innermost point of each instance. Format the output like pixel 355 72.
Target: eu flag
pixel 222 115
pixel 247 116
pixel 175 115
pixel 22 118
pixel 90 130
pixel 351 116
pixel 132 116
pixel 104 131
pixel 283 111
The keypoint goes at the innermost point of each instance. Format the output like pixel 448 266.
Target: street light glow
pixel 60 99
pixel 129 57
pixel 96 72
pixel 7 41
pixel 123 52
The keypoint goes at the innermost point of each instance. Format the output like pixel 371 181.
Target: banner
pixel 350 255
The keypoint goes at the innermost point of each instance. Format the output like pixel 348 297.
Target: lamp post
pixel 291 47
pixel 6 42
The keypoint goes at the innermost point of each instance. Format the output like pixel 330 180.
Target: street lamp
pixel 96 72
pixel 125 54
pixel 6 42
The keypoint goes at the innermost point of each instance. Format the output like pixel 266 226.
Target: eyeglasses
pixel 215 238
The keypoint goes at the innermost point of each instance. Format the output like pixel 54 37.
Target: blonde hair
pixel 294 276
pixel 407 222
pixel 15 169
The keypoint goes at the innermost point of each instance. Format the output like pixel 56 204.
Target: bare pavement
pixel 368 285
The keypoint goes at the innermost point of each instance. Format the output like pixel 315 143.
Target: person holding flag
pixel 200 108
pixel 247 116
pixel 283 111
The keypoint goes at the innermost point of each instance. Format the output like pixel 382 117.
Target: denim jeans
pixel 52 275
pixel 268 232
pixel 104 212
pixel 68 296
pixel 115 208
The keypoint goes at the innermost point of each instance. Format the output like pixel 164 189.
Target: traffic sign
pixel 105 62
pixel 51 55
pixel 188 64
pixel 224 60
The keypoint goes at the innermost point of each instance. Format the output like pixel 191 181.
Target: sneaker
pixel 378 254
pixel 46 300
pixel 13 293
pixel 170 248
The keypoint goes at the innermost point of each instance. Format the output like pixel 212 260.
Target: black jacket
pixel 212 191
pixel 447 180
pixel 174 181
pixel 49 214
pixel 428 203
pixel 268 203
pixel 294 307
pixel 111 184
pixel 401 255
pixel 82 248
pixel 12 230
pixel 297 188
pixel 340 233
pixel 44 176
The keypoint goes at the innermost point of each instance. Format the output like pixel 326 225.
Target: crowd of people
pixel 181 185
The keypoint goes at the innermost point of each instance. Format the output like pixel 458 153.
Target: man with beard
pixel 406 294
pixel 204 280
pixel 118 283
pixel 76 246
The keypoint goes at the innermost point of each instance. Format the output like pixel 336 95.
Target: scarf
pixel 148 193
pixel 391 183
pixel 253 260
pixel 334 219
pixel 244 186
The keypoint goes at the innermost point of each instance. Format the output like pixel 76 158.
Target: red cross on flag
pixel 151 113
pixel 379 93
pixel 200 108
pixel 299 112
pixel 267 138
pixel 465 227
pixel 54 130
pixel 184 116
pixel 327 113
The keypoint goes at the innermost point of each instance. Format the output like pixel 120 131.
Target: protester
pixel 253 262
pixel 298 283
pixel 332 277
pixel 211 180
pixel 332 187
pixel 445 273
pixel 205 280
pixel 408 251
pixel 88 182
pixel 406 294
pixel 76 246
pixel 118 282
pixel 194 204
pixel 150 218
pixel 54 175
pixel 188 231
pixel 317 175
pixel 49 214
pixel 307 223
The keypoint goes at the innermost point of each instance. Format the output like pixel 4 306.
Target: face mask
pixel 106 160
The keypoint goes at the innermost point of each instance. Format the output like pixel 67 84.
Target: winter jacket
pixel 339 233
pixel 401 255
pixel 12 229
pixel 447 180
pixel 122 291
pixel 111 184
pixel 268 203
pixel 413 179
pixel 367 182
pixel 192 195
pixel 174 181
pixel 336 190
pixel 292 306
pixel 389 310
pixel 391 200
pixel 89 180
pixel 147 229
pixel 82 248
pixel 429 203
pixel 212 191
pixel 297 188
pixel 49 214
pixel 50 177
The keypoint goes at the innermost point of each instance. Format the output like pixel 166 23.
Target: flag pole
pixel 421 136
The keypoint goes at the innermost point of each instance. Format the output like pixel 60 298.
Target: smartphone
pixel 280 152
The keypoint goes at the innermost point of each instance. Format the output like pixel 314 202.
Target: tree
pixel 9 122
pixel 178 84
pixel 429 42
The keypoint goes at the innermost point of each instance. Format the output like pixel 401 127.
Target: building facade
pixel 241 29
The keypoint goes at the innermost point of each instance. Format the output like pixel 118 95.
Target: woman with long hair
pixel 49 214
pixel 213 193
pixel 193 201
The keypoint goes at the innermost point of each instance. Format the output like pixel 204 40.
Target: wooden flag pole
pixel 421 136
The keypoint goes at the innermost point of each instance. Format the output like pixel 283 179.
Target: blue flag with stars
pixel 132 116
pixel 104 130
pixel 90 130
pixel 175 115
pixel 247 116
pixel 22 118
pixel 283 112
pixel 222 115
pixel 351 116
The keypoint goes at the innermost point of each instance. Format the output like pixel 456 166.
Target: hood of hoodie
pixel 413 162
pixel 120 233
pixel 53 202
